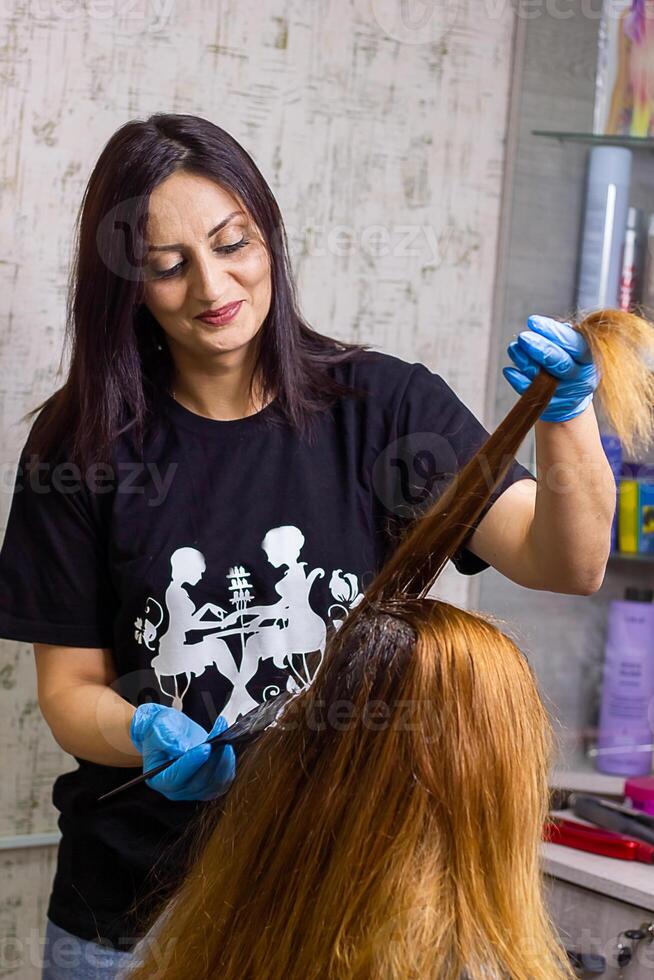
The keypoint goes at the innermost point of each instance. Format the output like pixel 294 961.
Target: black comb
pixel 246 729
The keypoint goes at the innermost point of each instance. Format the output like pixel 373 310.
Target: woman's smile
pixel 222 316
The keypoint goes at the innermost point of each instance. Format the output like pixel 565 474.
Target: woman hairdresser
pixel 216 484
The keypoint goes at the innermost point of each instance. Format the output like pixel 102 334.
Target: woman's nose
pixel 210 279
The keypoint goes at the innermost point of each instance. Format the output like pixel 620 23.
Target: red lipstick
pixel 222 315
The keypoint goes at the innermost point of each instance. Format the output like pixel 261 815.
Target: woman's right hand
pixel 204 771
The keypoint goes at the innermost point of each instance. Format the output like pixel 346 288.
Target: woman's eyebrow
pixel 176 247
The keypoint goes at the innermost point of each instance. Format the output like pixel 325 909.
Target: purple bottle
pixel 627 708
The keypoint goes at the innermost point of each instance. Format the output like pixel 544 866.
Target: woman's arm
pixel 555 534
pixel 86 716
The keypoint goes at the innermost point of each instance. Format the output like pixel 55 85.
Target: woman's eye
pixel 164 273
pixel 222 249
pixel 233 247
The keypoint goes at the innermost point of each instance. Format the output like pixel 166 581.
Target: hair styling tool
pixel 596 840
pixel 614 816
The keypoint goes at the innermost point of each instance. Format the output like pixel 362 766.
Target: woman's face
pixel 192 268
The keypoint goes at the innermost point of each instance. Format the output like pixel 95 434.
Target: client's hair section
pixel 388 826
pixel 622 346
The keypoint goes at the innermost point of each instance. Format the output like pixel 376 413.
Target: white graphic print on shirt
pixel 287 630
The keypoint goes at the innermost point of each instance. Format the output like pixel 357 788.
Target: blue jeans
pixel 67 957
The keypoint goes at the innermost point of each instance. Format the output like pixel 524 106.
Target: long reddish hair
pixel 389 826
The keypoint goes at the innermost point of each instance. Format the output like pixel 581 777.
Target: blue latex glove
pixel 563 352
pixel 161 733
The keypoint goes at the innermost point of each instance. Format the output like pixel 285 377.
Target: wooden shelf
pixel 625 881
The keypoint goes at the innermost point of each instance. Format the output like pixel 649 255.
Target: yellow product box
pixel 628 515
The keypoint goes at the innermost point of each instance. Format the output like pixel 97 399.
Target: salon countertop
pixel 625 881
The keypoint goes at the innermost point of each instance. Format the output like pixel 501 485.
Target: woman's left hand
pixel 563 352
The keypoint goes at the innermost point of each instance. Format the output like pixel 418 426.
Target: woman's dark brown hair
pixel 116 367
pixel 388 827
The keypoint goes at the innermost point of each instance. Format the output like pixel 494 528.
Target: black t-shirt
pixel 212 567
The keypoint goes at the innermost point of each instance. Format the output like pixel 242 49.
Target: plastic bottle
pixel 633 254
pixel 648 276
pixel 639 794
pixel 605 224
pixel 625 732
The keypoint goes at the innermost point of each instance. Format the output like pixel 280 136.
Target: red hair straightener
pixel 596 840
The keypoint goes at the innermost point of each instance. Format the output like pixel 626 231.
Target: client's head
pixel 388 825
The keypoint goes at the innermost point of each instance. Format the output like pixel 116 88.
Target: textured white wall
pixel 363 125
